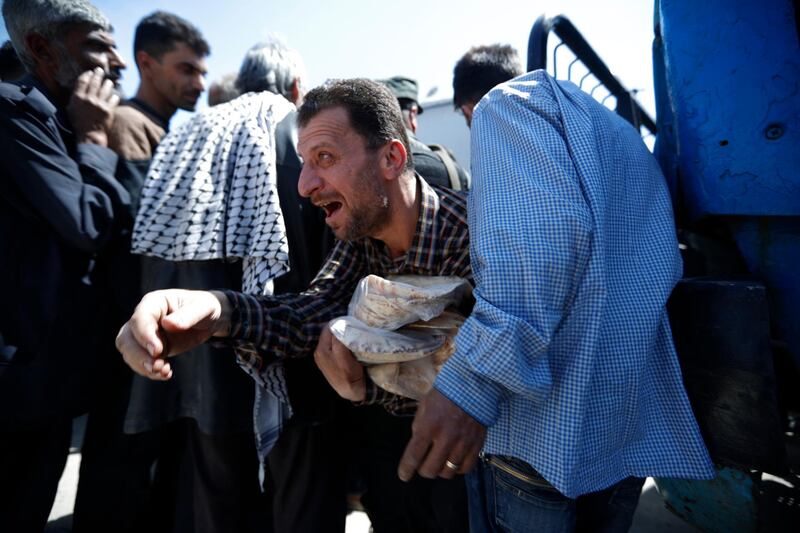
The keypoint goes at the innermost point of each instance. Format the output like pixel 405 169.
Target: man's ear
pixel 412 119
pixel 393 159
pixel 144 62
pixel 42 51
pixel 297 93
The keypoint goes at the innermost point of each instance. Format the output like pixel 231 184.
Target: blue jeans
pixel 508 495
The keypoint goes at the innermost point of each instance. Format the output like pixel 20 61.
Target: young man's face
pixel 342 177
pixel 179 76
pixel 85 47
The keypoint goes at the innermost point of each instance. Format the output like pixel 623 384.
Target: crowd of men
pixel 235 237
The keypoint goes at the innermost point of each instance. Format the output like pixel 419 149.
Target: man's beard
pixel 372 214
pixel 189 105
pixel 68 69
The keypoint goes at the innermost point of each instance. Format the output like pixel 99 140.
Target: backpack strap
pixel 442 153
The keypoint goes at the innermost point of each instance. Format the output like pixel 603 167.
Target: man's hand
pixel 340 367
pixel 169 322
pixel 91 107
pixel 445 440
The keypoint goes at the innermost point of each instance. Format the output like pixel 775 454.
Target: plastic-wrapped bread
pixel 401 329
pixel 447 322
pixel 412 379
pixel 400 300
pixel 373 345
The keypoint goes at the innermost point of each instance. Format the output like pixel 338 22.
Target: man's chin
pixel 189 104
pixel 343 233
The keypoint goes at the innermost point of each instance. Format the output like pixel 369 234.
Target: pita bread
pixel 393 303
pixel 373 345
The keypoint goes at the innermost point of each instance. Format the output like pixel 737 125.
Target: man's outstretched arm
pixel 170 322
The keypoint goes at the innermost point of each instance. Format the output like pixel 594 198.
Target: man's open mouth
pixel 330 208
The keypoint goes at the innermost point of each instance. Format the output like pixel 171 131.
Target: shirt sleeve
pixel 530 236
pixel 78 197
pixel 289 325
pixel 393 403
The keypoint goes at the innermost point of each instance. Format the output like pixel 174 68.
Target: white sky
pixel 421 39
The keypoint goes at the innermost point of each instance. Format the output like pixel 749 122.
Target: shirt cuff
pixel 247 317
pixel 394 404
pixel 98 157
pixel 370 393
pixel 475 395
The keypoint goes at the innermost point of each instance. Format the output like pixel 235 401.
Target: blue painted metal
pixel 727 81
pixel 727 78
pixel 724 504
pixel 771 248
pixel 731 98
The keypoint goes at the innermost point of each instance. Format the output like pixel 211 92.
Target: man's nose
pixel 115 60
pixel 309 181
pixel 199 83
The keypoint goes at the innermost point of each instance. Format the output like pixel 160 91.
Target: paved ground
pixel 651 515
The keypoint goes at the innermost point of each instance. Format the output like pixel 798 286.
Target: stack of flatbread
pixel 402 328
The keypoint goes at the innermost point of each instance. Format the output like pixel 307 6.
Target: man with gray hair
pixel 272 66
pixel 304 466
pixel 59 205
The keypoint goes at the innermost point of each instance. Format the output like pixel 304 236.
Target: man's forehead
pixel 183 53
pixel 99 34
pixel 327 126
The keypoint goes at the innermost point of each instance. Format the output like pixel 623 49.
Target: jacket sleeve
pixel 77 197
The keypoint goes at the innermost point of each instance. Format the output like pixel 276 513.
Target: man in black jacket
pixel 59 204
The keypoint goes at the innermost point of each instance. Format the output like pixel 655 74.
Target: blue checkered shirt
pixel 567 357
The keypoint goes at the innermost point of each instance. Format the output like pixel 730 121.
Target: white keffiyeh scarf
pixel 211 191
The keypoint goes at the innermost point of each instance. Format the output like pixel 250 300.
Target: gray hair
pixel 270 66
pixel 48 18
pixel 222 90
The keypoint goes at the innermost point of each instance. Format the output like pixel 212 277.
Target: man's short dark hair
pixel 480 69
pixel 158 33
pixel 373 111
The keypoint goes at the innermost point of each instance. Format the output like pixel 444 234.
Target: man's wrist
pixel 223 327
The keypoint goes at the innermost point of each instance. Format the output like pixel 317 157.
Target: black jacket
pixel 58 202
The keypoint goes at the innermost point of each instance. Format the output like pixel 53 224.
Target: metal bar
pixel 555 61
pixel 537 44
pixel 583 78
pixel 569 69
pixel 627 106
pixel 564 29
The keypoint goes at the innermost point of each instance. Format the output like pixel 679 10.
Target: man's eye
pixel 325 158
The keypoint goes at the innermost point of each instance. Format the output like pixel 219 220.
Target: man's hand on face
pixel 445 440
pixel 169 322
pixel 91 107
pixel 340 367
